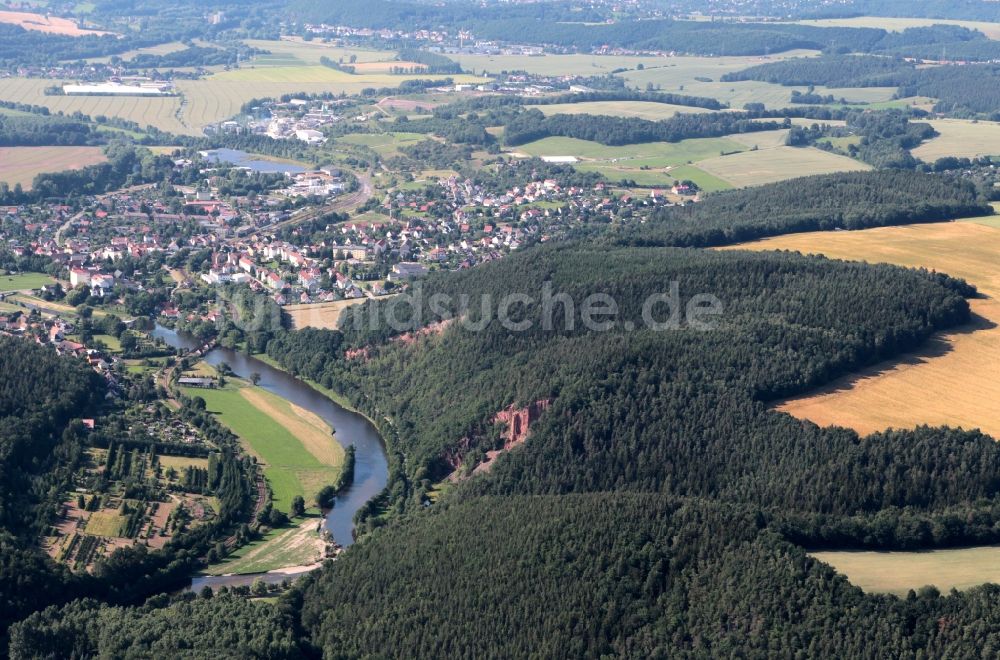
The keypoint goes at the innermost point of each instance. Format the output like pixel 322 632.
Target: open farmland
pixel 657 178
pixel 898 572
pixel 653 154
pixel 750 159
pixel 297 448
pixel 158 49
pixel 221 95
pixel 686 68
pixel 205 101
pixel 960 138
pixel 952 380
pixel 20 165
pixel 160 112
pixel 385 144
pixel 697 76
pixel 641 109
pixel 49 24
pixel 319 315
pixel 753 168
pixel 292 51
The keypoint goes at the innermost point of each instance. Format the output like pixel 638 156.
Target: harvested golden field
pixel 22 164
pixel 49 24
pixel 767 165
pixel 160 112
pixel 898 572
pixel 641 109
pixel 387 67
pixel 319 315
pixel 961 138
pixel 208 100
pixel 221 95
pixel 953 379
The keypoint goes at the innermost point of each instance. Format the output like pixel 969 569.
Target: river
pixel 371 470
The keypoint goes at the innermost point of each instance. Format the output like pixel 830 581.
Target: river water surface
pixel 371 472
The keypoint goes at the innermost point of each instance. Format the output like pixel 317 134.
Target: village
pixel 125 248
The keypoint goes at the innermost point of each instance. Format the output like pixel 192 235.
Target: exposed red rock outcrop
pixel 358 354
pixel 435 328
pixel 518 423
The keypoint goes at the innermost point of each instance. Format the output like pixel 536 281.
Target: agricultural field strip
pixel 298 449
pixel 953 381
pixel 960 138
pixel 20 165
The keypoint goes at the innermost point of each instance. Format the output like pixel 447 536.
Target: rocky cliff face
pixel 519 420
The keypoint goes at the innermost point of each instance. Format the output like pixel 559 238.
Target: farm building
pixel 187 381
pixel 119 89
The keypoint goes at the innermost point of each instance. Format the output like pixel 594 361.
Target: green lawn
pixel 290 468
pixel 385 144
pixel 661 178
pixel 24 281
pixel 112 342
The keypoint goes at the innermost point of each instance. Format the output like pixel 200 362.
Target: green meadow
pixel 24 281
pixel 650 154
pixel 284 440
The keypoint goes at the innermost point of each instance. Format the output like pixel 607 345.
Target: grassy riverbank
pixel 297 448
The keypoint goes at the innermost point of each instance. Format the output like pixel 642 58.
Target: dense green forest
pixel 854 200
pixel 32 48
pixel 37 130
pixel 532 125
pixel 224 627
pixel 968 90
pixel 961 91
pixel 559 24
pixel 677 413
pixel 39 396
pixel 829 71
pixel 617 575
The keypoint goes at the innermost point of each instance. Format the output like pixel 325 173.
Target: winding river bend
pixel 371 472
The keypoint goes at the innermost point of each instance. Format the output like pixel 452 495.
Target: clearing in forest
pixel 898 572
pixel 299 544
